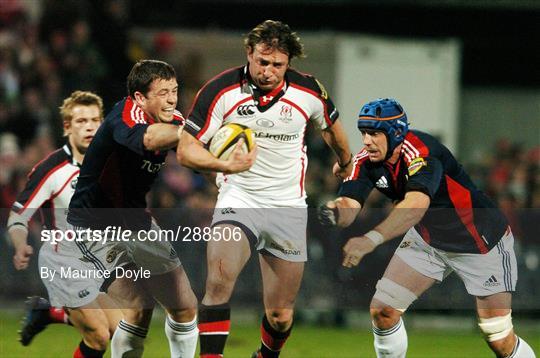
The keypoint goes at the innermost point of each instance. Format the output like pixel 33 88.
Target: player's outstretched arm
pixel 340 212
pixel 18 234
pixel 161 136
pixel 403 216
pixel 192 154
pixel 336 139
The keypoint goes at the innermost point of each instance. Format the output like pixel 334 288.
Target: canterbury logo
pixel 83 293
pixel 245 110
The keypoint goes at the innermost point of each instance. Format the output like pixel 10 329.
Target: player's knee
pixel 98 337
pixel 280 319
pixel 183 315
pixel 498 332
pixel 218 291
pixel 220 284
pixel 138 317
pixel 384 317
pixel 393 295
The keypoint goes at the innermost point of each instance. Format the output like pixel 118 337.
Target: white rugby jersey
pixel 50 186
pixel 278 119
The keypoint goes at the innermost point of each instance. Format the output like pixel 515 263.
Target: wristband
pixel 343 166
pixel 17 224
pixel 375 236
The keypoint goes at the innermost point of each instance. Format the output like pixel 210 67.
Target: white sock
pixel 128 341
pixel 182 337
pixel 522 350
pixel 392 342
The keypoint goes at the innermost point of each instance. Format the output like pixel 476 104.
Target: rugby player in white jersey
pixel 49 188
pixel 265 204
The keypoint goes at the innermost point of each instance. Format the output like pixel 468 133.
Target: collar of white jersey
pixel 69 152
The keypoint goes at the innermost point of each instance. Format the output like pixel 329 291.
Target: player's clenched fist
pixel 355 249
pixel 22 256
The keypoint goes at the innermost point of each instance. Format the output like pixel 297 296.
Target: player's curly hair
pixel 275 34
pixel 144 72
pixel 81 98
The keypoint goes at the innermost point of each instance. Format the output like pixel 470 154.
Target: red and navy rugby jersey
pixel 117 172
pixel 460 218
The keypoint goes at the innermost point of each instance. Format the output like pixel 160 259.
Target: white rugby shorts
pixel 273 227
pixel 483 274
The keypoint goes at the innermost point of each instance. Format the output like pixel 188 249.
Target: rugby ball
pixel 225 139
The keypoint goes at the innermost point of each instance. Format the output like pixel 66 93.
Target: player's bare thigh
pixel 225 260
pixel 498 304
pixel 281 283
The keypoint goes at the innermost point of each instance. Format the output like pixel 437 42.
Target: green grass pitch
pixel 306 341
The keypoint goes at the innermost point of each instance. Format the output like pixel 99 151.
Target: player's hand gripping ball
pixel 225 139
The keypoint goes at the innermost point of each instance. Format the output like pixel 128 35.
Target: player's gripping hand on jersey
pixel 328 214
pixel 240 161
pixel 342 170
pixel 340 212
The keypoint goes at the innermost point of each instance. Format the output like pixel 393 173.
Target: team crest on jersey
pixel 404 244
pixel 111 255
pixel 286 113
pixel 324 94
pixel 416 165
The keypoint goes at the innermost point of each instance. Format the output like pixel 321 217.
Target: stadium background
pixel 50 48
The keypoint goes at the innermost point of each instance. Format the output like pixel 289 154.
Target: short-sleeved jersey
pixel 278 118
pixel 49 187
pixel 117 172
pixel 461 218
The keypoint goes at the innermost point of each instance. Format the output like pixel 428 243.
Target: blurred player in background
pixel 449 225
pixel 50 185
pixel 277 103
pixel 118 171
